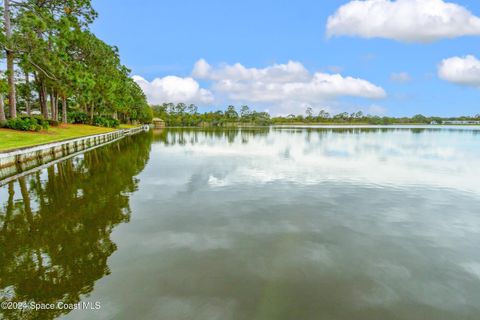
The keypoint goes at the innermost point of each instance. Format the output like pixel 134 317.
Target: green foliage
pixel 181 115
pixel 54 47
pixel 145 114
pixel 99 121
pixel 359 117
pixel 77 117
pixel 28 123
pixel 231 113
pixel 53 123
pixel 106 122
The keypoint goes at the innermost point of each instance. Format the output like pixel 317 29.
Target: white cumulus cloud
pixel 461 70
pixel 403 20
pixel 282 84
pixel 174 89
pixel 281 88
pixel 281 73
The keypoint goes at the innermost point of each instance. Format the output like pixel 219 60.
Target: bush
pixel 145 115
pixel 41 121
pixel 107 122
pixel 25 123
pixel 53 123
pixel 77 117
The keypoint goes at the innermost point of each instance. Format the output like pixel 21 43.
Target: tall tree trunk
pixel 91 113
pixel 12 102
pixel 52 106
pixel 27 97
pixel 2 110
pixel 39 90
pixel 64 109
pixel 56 107
pixel 41 100
pixel 44 100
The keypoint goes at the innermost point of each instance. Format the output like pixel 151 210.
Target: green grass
pixel 13 139
pixel 128 126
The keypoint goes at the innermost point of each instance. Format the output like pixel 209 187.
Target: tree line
pixel 56 65
pixel 324 117
pixel 183 115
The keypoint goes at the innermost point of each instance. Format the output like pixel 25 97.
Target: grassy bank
pixel 12 139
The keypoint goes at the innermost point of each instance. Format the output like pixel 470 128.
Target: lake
pixel 256 223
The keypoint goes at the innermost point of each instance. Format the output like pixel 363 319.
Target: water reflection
pixel 183 136
pixel 55 225
pixel 293 223
pixel 400 157
pixel 257 223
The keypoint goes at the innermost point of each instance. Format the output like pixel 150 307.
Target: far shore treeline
pixel 183 115
pixel 58 70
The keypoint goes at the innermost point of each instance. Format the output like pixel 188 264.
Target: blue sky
pixel 165 38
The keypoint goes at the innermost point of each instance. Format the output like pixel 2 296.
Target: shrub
pixel 53 123
pixel 25 123
pixel 145 114
pixel 41 121
pixel 77 117
pixel 107 122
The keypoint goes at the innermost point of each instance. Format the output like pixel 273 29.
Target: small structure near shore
pixel 158 123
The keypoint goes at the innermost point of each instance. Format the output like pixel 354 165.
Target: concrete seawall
pixel 26 159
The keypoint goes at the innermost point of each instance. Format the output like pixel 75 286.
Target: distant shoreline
pixel 329 125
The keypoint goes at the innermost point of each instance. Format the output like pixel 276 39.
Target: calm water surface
pixel 267 223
